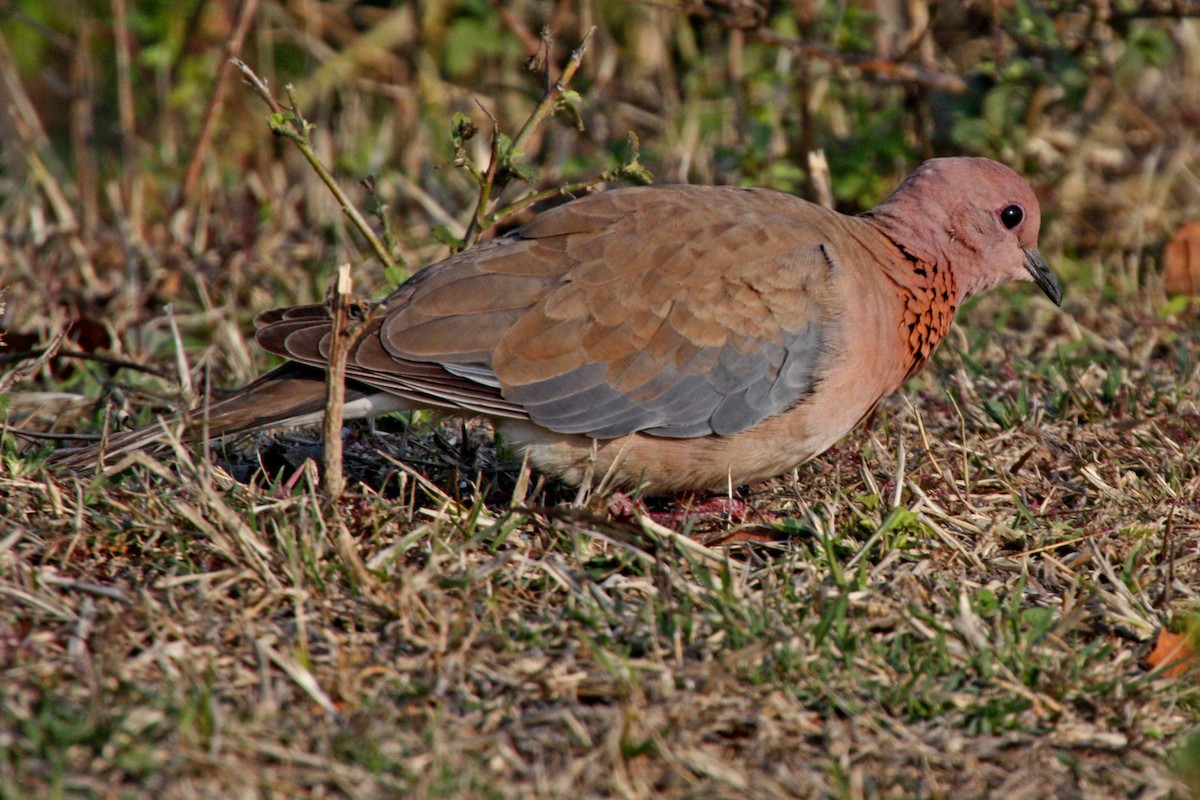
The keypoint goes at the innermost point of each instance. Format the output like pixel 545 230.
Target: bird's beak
pixel 1042 275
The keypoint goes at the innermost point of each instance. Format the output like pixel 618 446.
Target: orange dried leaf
pixel 1181 260
pixel 1174 650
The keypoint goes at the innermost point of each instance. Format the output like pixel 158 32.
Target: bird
pixel 664 338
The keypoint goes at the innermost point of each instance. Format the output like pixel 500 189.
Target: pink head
pixel 973 214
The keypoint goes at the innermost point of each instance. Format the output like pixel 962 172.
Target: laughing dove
pixel 678 337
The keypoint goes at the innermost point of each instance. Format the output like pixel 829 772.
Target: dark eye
pixel 1011 216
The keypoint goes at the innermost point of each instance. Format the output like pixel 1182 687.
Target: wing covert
pixel 677 312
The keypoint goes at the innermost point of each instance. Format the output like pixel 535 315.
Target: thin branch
pixel 290 123
pixel 341 340
pixel 632 169
pixel 553 92
pixel 522 203
pixel 348 326
pixel 379 211
pixel 258 85
pixel 486 183
pixel 492 181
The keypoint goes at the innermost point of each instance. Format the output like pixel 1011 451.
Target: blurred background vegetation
pixel 1096 102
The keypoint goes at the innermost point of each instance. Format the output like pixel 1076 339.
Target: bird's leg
pixel 624 508
pixel 706 506
pixel 681 508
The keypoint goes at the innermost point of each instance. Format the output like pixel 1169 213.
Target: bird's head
pixel 974 213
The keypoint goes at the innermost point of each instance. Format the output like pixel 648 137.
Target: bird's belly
pixel 657 464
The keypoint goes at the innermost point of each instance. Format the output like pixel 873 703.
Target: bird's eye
pixel 1011 216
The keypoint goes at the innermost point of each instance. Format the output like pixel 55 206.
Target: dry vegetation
pixel 956 601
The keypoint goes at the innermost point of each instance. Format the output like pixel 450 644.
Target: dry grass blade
pixel 303 678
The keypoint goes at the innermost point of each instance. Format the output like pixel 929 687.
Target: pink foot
pixel 624 508
pixel 691 508
pixel 687 507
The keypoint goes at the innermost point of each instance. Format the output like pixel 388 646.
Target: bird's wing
pixel 678 312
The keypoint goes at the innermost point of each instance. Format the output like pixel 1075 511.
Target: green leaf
pixel 447 237
pixel 504 146
pixel 632 168
pixel 523 172
pixel 1175 306
pixel 461 129
pixel 395 274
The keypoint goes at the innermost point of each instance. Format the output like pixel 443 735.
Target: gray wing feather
pixel 741 391
pixel 610 316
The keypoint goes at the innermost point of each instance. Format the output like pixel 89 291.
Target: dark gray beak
pixel 1042 275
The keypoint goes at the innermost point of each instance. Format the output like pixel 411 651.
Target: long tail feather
pixel 290 395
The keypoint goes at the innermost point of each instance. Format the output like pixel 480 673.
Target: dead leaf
pixel 756 534
pixel 1175 650
pixel 1181 260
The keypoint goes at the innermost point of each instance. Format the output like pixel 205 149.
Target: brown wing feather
pixel 672 311
pixel 678 311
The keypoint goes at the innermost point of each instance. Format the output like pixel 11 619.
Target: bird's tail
pixel 290 395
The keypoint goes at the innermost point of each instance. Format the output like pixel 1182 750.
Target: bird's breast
pixel 929 308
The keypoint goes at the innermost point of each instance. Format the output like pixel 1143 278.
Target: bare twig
pixel 258 85
pixel 347 327
pixel 379 210
pixel 486 183
pixel 342 340
pixel 290 123
pixel 522 203
pixel 493 180
pixel 554 91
